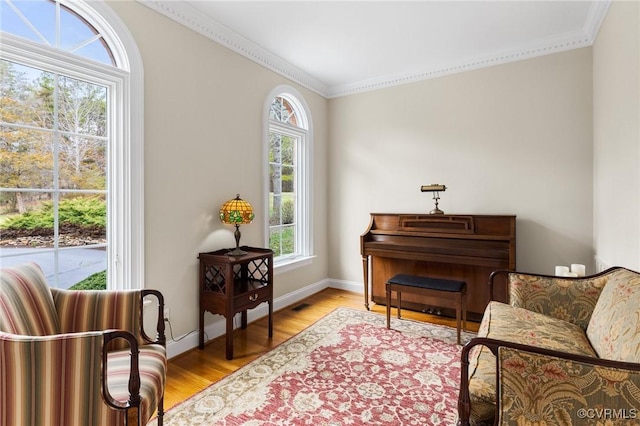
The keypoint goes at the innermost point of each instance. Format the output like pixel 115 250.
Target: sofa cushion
pixel 26 303
pixel 613 329
pixel 518 325
pixel 568 299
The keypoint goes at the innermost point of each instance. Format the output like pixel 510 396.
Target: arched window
pixel 287 152
pixel 70 148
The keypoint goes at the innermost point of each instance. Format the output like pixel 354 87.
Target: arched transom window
pixel 53 24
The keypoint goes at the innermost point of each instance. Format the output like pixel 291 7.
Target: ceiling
pixel 336 48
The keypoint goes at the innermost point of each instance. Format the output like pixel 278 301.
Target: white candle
pixel 561 270
pixel 570 274
pixel 578 269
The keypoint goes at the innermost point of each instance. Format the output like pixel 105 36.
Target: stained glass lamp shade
pixel 236 212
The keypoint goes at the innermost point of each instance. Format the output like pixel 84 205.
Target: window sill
pixel 287 265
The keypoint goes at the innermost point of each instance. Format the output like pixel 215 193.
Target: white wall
pixel 616 124
pixel 203 135
pixel 510 139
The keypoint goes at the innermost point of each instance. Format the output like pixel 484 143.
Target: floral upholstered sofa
pixel 567 352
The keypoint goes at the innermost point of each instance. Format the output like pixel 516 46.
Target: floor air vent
pixel 300 307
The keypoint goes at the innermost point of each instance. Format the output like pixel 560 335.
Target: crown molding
pixel 562 43
pixel 189 17
pixel 184 14
pixel 553 46
pixel 597 12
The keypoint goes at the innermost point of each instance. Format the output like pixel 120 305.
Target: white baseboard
pixel 218 327
pixel 352 286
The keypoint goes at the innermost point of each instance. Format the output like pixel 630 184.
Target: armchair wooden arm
pixel 160 327
pixel 132 405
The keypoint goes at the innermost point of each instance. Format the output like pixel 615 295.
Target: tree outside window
pixel 53 149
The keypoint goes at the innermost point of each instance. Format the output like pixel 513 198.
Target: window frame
pixel 125 223
pixel 304 234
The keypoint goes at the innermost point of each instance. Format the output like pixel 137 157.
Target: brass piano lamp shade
pixel 435 188
pixel 236 212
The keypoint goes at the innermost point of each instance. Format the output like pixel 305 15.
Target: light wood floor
pixel 196 369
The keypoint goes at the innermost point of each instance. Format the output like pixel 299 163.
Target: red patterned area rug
pixel 346 369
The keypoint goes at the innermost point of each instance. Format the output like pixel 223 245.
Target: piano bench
pixel 451 293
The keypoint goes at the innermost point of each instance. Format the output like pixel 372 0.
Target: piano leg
pixel 365 271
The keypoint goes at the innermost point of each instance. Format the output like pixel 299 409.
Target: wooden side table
pixel 233 284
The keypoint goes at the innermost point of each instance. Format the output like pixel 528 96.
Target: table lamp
pixel 435 188
pixel 236 212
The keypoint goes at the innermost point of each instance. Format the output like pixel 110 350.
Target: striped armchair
pixel 76 357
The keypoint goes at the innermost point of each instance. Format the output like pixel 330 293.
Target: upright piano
pixel 459 247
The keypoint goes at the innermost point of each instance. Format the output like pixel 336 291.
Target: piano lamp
pixel 435 188
pixel 236 212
